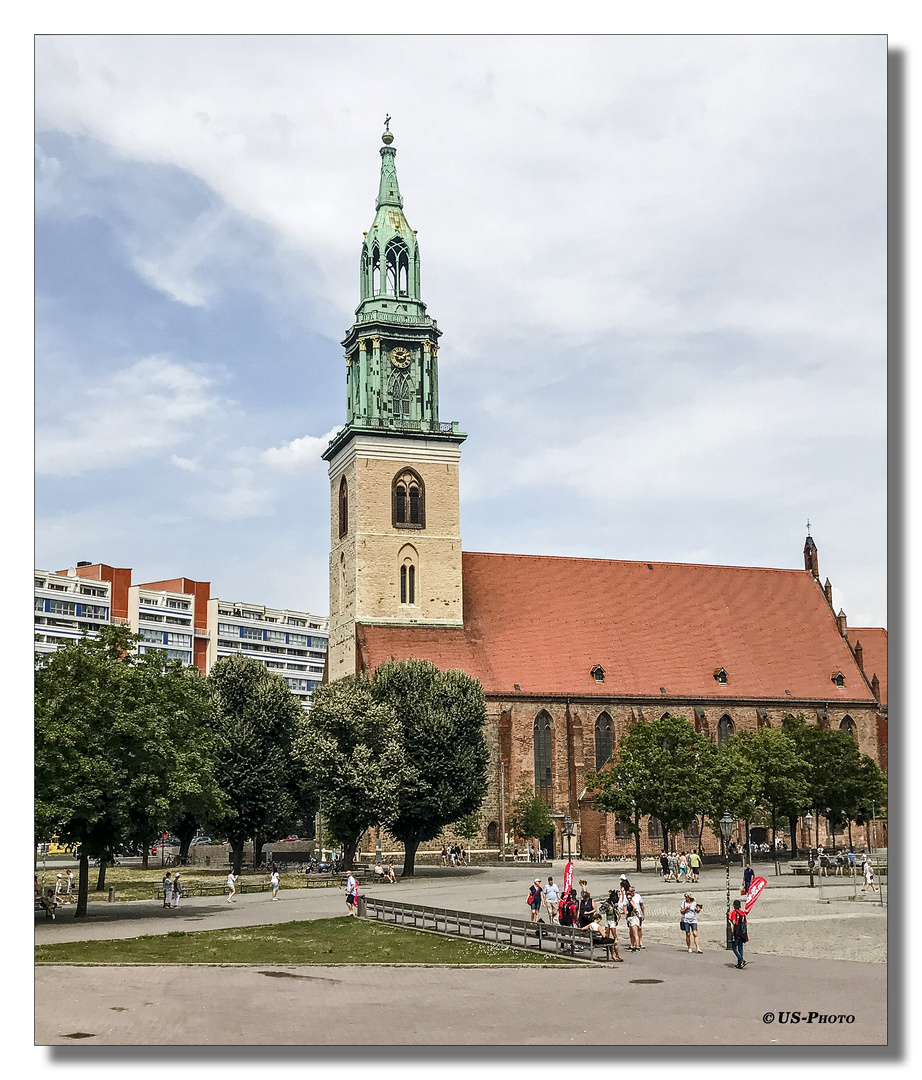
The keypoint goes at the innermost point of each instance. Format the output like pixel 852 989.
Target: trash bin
pixel 111 893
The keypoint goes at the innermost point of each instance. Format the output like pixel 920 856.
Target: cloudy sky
pixel 659 264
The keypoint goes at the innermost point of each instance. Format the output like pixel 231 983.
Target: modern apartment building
pixel 66 607
pixel 293 644
pixel 178 617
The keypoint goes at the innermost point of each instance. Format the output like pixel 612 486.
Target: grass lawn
pixel 134 883
pixel 318 941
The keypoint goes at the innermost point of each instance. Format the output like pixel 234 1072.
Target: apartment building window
pixel 91 590
pixel 227 628
pixel 154 636
pixel 149 601
pixel 297 639
pixel 275 635
pixel 61 607
pixel 179 639
pixel 296 622
pixel 39 583
pixel 39 604
pixel 54 585
pixel 182 604
pixel 93 611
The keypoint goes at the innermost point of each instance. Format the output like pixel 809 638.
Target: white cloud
pixel 137 412
pixel 299 455
pixel 186 464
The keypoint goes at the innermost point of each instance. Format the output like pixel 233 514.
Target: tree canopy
pixel 121 745
pixel 258 722
pixel 442 715
pixel 353 757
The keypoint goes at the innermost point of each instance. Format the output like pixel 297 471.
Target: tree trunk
pixel 637 839
pixel 792 824
pixel 850 845
pixel 101 877
pixel 410 848
pixel 83 885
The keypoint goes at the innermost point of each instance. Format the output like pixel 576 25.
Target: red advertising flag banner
pixel 567 878
pixel 755 891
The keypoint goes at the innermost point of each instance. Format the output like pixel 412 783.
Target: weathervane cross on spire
pixel 387 122
pixel 808 526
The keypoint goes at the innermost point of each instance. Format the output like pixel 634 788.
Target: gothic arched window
pixel 544 777
pixel 602 740
pixel 849 727
pixel 725 728
pixel 397 268
pixel 408 498
pixel 375 271
pixel 343 507
pixel 492 834
pixel 400 390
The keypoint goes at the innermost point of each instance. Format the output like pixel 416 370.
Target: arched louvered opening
pixel 375 271
pixel 343 507
pixel 409 500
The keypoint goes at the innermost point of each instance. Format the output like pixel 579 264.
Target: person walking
pixel 740 932
pixel 869 877
pixel 231 886
pixel 535 893
pixel 274 882
pixel 663 864
pixel 689 909
pixel 694 864
pixel 632 908
pixel 177 891
pixel 748 875
pixel 352 894
pixel 167 889
pixel 609 911
pixel 70 882
pixel 683 868
pixel 551 900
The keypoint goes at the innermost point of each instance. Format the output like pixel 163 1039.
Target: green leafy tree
pixel 353 757
pixel 661 768
pixel 530 817
pixel 469 827
pixel 258 722
pixel 780 773
pixel 121 743
pixel 442 716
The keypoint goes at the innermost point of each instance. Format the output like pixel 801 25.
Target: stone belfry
pixel 395 536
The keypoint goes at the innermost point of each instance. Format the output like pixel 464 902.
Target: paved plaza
pixel 806 954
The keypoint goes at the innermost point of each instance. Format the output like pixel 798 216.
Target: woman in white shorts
pixel 609 924
pixel 689 912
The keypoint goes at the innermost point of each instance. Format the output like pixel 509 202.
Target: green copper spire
pixel 392 376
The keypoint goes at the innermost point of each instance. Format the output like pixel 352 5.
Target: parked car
pixel 200 840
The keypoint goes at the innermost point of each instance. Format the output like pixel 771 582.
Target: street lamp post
pixel 726 824
pixel 808 819
pixel 569 828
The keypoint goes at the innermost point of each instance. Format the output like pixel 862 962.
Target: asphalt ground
pixel 805 955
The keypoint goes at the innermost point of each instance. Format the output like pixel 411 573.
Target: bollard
pixel 111 893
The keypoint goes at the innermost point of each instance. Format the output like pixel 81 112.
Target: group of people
pixel 172 890
pixel 578 908
pixel 680 867
pixel 385 872
pixel 454 855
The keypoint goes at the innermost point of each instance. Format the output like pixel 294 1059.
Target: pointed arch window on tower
pixel 725 728
pixel 409 574
pixel 343 507
pixel 399 386
pixel 375 271
pixel 397 268
pixel 408 500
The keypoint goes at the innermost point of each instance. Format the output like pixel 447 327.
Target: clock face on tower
pixel 400 357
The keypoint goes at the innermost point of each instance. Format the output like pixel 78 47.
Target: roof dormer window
pixel 598 673
pixel 839 679
pixel 721 676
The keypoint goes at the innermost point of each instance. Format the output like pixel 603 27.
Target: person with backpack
pixel 535 895
pixel 567 911
pixel 739 933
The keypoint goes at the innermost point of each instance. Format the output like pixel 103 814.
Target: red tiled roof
pixel 544 622
pixel 873 641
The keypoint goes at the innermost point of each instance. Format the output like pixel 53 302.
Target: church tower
pixel 395 537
